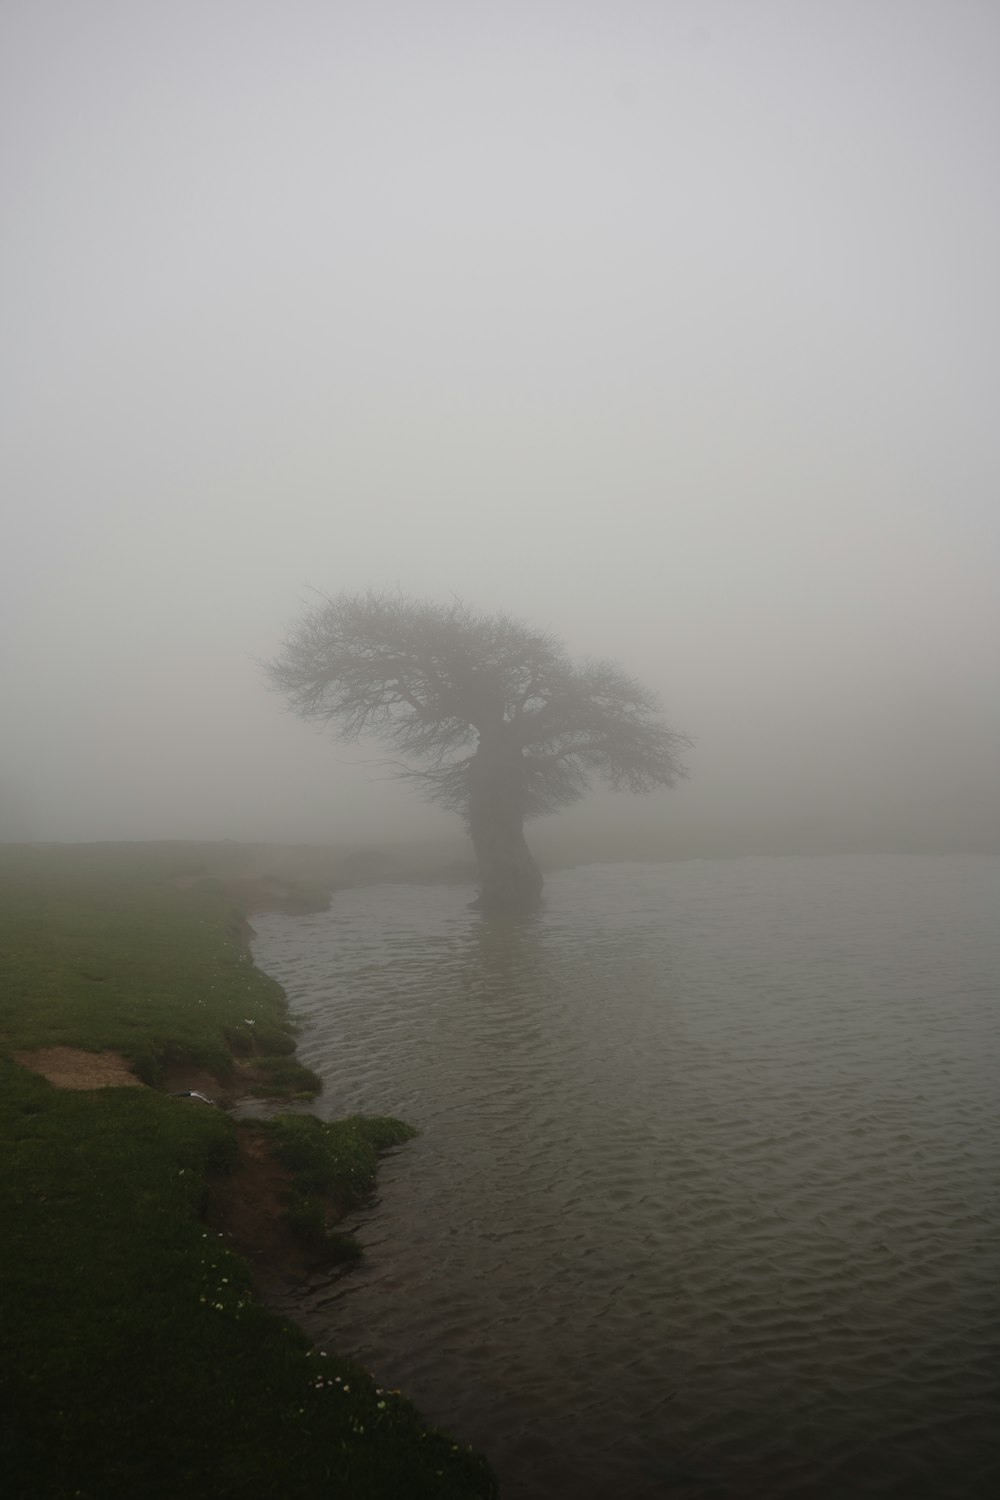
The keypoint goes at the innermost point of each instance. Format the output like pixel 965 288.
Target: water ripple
pixel 705 1201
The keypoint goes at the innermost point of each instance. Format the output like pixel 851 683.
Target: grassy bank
pixel 138 1358
pixel 126 947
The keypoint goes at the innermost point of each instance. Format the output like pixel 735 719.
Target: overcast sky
pixel 673 326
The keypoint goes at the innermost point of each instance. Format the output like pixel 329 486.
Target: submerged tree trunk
pixel 509 879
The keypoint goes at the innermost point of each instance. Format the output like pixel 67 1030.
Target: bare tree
pixel 501 723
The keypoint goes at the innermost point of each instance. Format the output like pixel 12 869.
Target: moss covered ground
pixel 137 1358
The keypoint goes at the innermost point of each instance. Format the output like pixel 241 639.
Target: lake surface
pixel 706 1197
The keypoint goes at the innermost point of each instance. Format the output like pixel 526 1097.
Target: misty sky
pixel 674 327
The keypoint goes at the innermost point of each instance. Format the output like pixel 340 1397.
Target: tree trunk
pixel 509 879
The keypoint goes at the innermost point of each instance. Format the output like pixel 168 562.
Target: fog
pixel 673 327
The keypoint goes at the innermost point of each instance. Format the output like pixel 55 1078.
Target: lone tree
pixel 503 725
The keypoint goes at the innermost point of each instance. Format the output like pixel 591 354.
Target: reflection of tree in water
pixel 506 956
pixel 504 976
pixel 503 951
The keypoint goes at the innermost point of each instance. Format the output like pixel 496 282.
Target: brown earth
pixel 247 1208
pixel 186 1078
pixel 248 1083
pixel 72 1068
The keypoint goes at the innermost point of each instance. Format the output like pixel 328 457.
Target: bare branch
pixel 434 681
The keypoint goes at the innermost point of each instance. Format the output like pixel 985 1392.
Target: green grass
pixel 104 951
pixel 337 1159
pixel 284 1076
pixel 137 1360
pixel 333 1165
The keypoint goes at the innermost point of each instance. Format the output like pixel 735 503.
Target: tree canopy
pixel 489 716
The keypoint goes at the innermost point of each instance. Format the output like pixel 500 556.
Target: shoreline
pixel 151 1228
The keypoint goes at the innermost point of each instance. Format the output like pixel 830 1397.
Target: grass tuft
pixel 333 1166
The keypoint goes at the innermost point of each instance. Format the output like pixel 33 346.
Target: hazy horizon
pixel 673 328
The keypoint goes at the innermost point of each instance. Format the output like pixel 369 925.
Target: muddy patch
pixel 185 1078
pixel 72 1068
pixel 247 1207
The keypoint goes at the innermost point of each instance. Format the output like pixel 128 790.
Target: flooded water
pixel 706 1197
